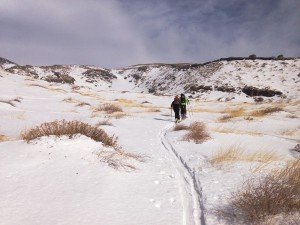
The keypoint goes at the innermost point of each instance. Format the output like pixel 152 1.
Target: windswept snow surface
pixel 54 180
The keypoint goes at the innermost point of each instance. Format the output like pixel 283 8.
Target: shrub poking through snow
pixel 70 128
pixel 234 154
pixel 267 111
pixel 276 193
pixel 60 78
pixel 11 101
pixel 197 133
pixel 104 122
pixel 232 114
pixel 120 160
pixel 3 138
pixel 153 110
pixel 81 104
pixel 110 108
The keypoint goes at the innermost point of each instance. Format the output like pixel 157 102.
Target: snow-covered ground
pixel 55 180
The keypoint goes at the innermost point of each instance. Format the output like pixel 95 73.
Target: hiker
pixel 184 101
pixel 176 108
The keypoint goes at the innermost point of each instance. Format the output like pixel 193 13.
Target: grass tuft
pixel 197 133
pixel 110 108
pixel 264 112
pixel 230 114
pixel 3 138
pixel 70 128
pixel 9 102
pixel 234 154
pixel 104 122
pixel 120 160
pixel 276 193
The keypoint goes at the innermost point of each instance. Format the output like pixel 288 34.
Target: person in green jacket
pixel 184 101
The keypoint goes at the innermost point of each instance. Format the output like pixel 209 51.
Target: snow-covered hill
pixel 223 80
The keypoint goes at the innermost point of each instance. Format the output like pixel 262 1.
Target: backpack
pixel 183 100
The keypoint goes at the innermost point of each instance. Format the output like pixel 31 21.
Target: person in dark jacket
pixel 184 101
pixel 176 108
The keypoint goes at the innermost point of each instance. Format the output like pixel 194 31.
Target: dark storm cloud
pixel 123 32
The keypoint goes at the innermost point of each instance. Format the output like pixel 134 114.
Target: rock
pixel 296 148
pixel 254 91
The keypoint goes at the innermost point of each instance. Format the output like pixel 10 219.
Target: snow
pixel 54 180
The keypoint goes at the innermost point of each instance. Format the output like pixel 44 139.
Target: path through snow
pixel 190 188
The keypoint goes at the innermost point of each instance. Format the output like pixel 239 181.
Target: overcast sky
pixel 115 33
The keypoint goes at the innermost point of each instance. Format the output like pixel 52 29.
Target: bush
pixel 81 104
pixel 253 56
pixel 3 138
pixel 280 57
pixel 232 114
pixel 110 108
pixel 9 102
pixel 234 154
pixel 264 112
pixel 197 133
pixel 61 78
pixel 121 160
pixel 70 128
pixel 104 122
pixel 276 193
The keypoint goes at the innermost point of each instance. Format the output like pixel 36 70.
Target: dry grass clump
pixel 3 138
pixel 197 133
pixel 71 100
pixel 290 132
pixel 178 127
pixel 104 122
pixel 120 160
pixel 75 87
pixel 126 102
pixel 70 128
pixel 282 219
pixel 153 110
pixel 229 155
pixel 276 193
pixel 234 154
pixel 230 114
pixel 233 130
pixel 110 108
pixel 11 101
pixel 118 115
pixel 264 112
pixel 37 85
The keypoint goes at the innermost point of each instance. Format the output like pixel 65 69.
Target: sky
pixel 116 33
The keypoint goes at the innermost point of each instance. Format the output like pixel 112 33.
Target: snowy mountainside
pixel 219 79
pixel 71 74
pixel 223 80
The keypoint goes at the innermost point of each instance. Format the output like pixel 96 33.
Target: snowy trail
pixel 190 188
